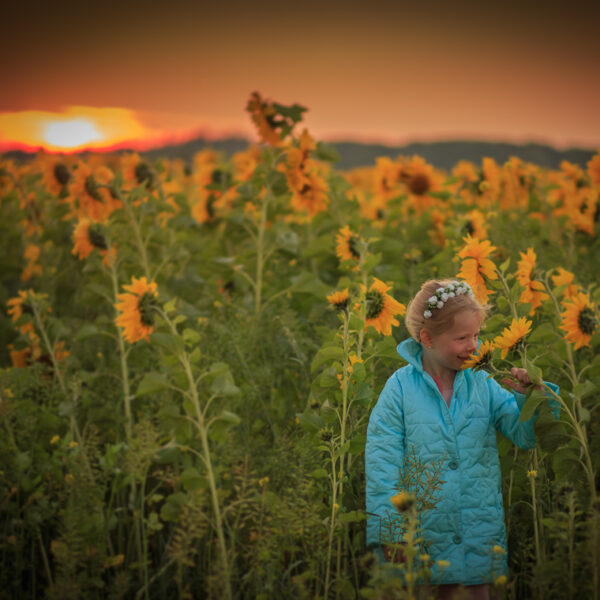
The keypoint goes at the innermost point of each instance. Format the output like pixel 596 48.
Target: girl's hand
pixel 522 380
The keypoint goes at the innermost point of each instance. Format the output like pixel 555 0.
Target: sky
pixel 376 71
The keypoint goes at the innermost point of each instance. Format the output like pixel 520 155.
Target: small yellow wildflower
pixel 498 549
pixel 336 506
pixel 54 439
pixel 263 481
pixel 73 444
pixel 402 501
pixel 443 564
pixel 501 580
pixel 424 557
pixel 532 473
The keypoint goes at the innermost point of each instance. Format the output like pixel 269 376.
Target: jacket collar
pixel 411 351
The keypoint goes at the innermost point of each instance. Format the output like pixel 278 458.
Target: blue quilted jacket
pixel 468 519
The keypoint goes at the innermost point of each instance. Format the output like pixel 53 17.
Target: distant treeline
pixel 443 155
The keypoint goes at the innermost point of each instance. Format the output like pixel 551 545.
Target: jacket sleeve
pixel 384 456
pixel 506 411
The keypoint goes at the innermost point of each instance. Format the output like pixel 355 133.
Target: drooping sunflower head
pixel 512 336
pixel 339 300
pixel 579 320
pixel 348 244
pixel 482 358
pixel 137 310
pixel 381 308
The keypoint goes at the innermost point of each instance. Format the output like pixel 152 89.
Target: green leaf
pixel 169 342
pixel 326 354
pixel 86 331
pixel 173 507
pixel 327 152
pixel 532 402
pixel 534 372
pixel 357 444
pixel 504 266
pixel 564 462
pixel 319 474
pixel 310 421
pixel 151 383
pixel 546 332
pixel 354 516
pixel 192 480
pixel 581 390
pixel 191 336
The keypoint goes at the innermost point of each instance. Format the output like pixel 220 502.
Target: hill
pixel 443 155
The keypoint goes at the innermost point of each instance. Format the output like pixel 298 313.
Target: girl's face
pixel 450 349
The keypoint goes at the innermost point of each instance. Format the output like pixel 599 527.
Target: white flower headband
pixel 443 294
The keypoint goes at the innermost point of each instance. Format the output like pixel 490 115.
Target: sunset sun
pixel 71 133
pixel 73 129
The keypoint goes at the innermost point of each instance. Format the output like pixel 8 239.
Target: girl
pixel 434 408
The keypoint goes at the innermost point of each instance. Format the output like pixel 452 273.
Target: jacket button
pixel 453 465
pixel 457 539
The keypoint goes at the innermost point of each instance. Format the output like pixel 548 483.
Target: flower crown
pixel 443 294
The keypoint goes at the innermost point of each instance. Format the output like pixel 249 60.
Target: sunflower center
pixel 375 303
pixel 146 308
pixel 61 173
pixel 92 188
pixel 586 321
pixel 96 238
pixel 419 184
pixel 144 174
pixel 469 228
pixel 353 242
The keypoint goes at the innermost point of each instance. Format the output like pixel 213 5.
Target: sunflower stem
pixel 202 427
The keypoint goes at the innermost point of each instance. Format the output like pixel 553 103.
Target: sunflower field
pixel 190 354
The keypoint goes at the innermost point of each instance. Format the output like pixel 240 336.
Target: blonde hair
pixel 441 319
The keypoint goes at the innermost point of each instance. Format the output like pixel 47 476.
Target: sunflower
pixel 19 306
pixel 532 294
pixel 312 197
pixel 579 320
pixel 593 168
pixel 348 244
pixel 264 116
pixel 512 335
pixel 381 308
pixel 91 187
pixel 482 358
pixel 86 237
pixel 564 277
pixel 476 265
pixel 339 300
pixel 32 268
pixel 298 161
pixel 421 180
pixel 55 174
pixel 137 172
pixel 476 225
pixel 136 310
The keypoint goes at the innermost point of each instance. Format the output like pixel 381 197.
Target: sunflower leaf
pixel 152 382
pixel 326 354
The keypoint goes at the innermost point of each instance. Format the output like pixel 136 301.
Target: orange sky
pixel 387 71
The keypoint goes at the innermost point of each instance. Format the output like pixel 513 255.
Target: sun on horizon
pixel 73 129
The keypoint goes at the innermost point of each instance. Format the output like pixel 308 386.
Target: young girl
pixel 433 407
